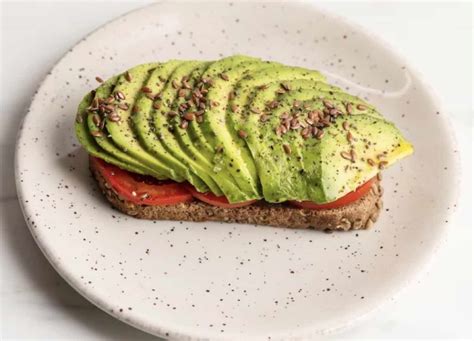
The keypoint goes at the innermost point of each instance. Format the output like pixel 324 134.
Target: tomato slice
pixel 345 200
pixel 220 201
pixel 140 189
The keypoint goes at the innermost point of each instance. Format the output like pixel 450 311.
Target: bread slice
pixel 360 214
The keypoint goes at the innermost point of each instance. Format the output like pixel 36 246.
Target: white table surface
pixel 36 303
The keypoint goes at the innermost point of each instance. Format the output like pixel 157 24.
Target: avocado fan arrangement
pixel 238 133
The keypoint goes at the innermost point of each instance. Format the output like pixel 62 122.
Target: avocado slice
pixel 224 75
pixel 374 139
pixel 104 93
pixel 89 142
pixel 122 133
pixel 151 110
pixel 199 153
pixel 177 86
pixel 239 106
pixel 284 177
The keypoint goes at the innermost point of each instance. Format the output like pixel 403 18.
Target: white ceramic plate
pixel 211 280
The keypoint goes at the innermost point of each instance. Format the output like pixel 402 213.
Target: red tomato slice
pixel 345 200
pixel 140 189
pixel 220 201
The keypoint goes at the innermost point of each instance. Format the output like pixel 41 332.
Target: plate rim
pixel 163 331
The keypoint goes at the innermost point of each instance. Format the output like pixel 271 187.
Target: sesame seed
pixel 98 79
pixel 146 90
pixel 345 125
pixel 362 107
pixel 382 164
pixel 128 77
pixel 175 84
pixel 255 111
pixel 371 162
pixel 242 134
pixel 171 113
pixel 156 105
pixel 182 93
pixel 224 76
pixel 287 148
pixel 264 118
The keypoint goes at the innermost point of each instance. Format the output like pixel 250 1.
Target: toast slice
pixel 360 214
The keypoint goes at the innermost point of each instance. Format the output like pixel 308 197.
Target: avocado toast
pixel 238 139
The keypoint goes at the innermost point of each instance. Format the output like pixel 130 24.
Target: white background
pixel 435 38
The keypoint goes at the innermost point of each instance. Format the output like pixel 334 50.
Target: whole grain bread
pixel 360 214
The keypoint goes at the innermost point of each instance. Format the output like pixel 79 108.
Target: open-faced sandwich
pixel 239 140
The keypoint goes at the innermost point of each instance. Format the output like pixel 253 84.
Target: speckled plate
pixel 211 280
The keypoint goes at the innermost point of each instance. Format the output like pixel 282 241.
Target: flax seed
pixel 242 134
pixel 189 116
pixel 346 155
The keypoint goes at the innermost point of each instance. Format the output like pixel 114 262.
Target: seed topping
pixel 242 134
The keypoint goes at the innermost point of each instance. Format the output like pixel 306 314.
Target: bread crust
pixel 360 214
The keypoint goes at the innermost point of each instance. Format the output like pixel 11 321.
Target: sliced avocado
pixel 96 119
pixel 261 80
pixel 157 138
pixel 199 156
pixel 131 88
pixel 241 127
pixel 374 139
pixel 285 176
pixel 234 155
pixel 175 88
pixel 88 141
